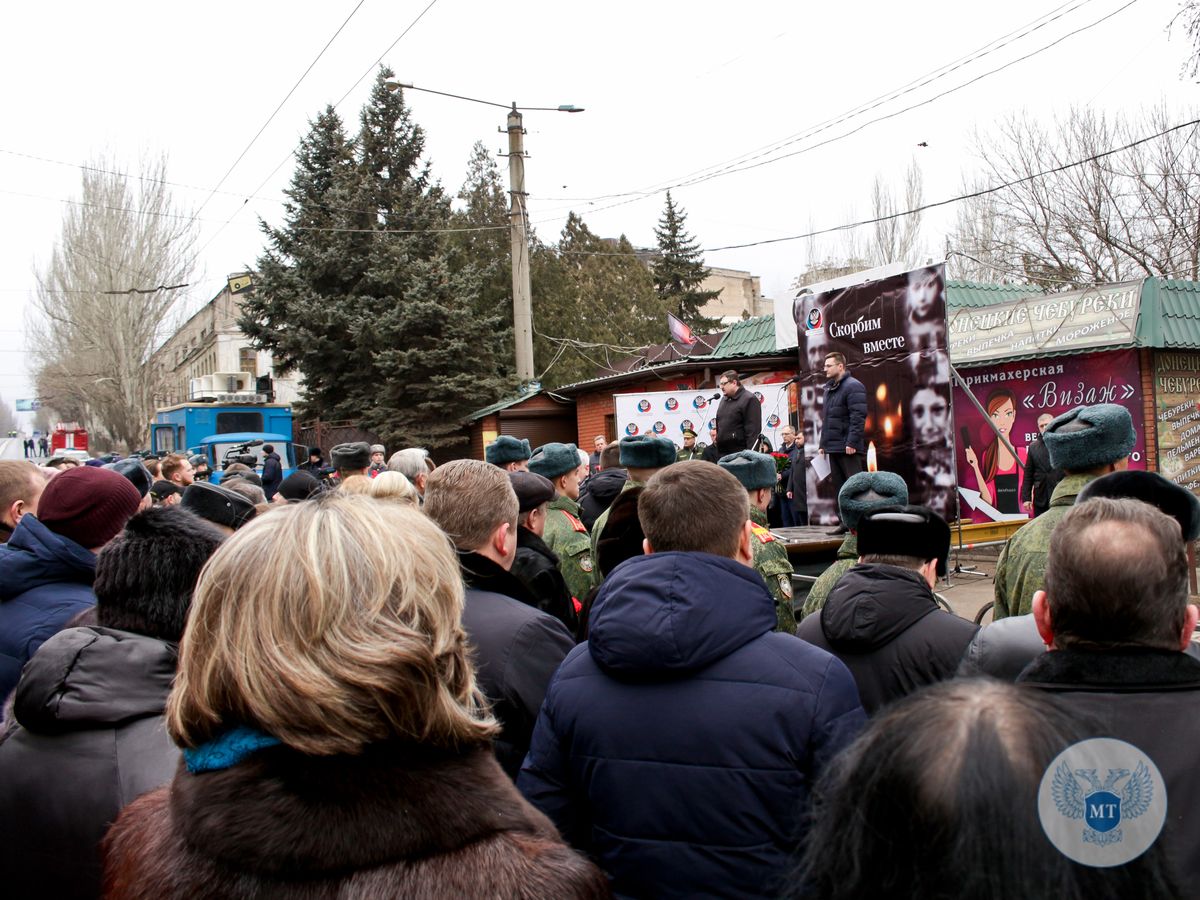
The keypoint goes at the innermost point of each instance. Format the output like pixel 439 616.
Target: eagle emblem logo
pixel 1102 805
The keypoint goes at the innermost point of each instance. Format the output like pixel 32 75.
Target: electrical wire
pixel 285 99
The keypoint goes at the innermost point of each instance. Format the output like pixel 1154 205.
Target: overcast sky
pixel 670 89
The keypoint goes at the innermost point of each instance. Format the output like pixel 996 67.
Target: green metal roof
pixel 496 407
pixel 749 337
pixel 975 294
pixel 1170 314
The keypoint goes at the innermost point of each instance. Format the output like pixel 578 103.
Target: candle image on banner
pixel 893 335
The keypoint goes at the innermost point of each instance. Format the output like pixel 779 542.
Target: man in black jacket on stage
pixel 842 438
pixel 739 417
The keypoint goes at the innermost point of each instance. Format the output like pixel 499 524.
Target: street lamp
pixel 518 219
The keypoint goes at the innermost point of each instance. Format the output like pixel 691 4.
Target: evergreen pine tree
pixel 679 270
pixel 368 308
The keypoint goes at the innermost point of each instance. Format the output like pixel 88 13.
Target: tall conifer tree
pixel 363 301
pixel 679 270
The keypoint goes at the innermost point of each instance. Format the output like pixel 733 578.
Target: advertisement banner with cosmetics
pixel 668 413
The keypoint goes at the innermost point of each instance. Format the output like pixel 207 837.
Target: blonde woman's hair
pixel 331 625
pixel 469 499
pixel 356 484
pixel 394 487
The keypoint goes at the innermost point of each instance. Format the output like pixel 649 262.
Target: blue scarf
pixel 227 750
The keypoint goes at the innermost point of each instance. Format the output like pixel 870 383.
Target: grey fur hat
pixel 506 449
pixel 753 470
pixel 645 451
pixel 356 455
pixel 867 491
pixel 552 460
pixel 1094 436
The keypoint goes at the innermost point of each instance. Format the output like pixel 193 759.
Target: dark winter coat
pixel 598 494
pixel 845 416
pixel 484 574
pixel 678 746
pixel 536 567
pixel 395 821
pixel 884 624
pixel 1041 478
pixel 272 474
pixel 89 739
pixel 516 650
pixel 1144 697
pixel 739 422
pixel 44 580
pixel 1003 648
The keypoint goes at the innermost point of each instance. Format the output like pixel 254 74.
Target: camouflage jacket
pixel 1021 570
pixel 596 575
pixel 772 563
pixel 568 537
pixel 847 556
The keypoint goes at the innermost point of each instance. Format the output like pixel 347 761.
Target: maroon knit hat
pixel 88 505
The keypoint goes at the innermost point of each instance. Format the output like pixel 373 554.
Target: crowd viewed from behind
pixel 555 674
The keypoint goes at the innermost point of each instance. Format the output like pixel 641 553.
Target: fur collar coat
pixel 395 821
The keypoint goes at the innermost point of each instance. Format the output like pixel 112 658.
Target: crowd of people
pixel 553 674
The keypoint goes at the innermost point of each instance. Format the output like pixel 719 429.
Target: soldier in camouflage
pixel 641 456
pixel 861 494
pixel 565 533
pixel 756 472
pixel 1087 442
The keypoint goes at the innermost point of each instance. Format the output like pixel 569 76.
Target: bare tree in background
pixel 896 239
pixel 8 418
pixel 92 329
pixel 1188 18
pixel 1125 216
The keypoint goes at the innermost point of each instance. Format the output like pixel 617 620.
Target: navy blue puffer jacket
pixel 845 416
pixel 45 579
pixel 679 744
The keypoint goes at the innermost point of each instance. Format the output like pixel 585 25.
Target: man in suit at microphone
pixel 739 417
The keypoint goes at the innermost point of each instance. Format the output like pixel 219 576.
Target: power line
pixel 743 168
pixel 887 96
pixel 271 117
pixel 292 153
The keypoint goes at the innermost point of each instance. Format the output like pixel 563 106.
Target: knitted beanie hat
pixel 88 505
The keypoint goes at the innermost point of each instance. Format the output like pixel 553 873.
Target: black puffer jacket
pixel 89 739
pixel 598 492
pixel 884 624
pixel 845 416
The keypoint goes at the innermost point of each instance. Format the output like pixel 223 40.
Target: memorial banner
pixel 668 413
pixel 893 335
pixel 1036 326
pixel 1177 396
pixel 1016 395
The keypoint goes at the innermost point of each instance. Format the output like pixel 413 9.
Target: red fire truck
pixel 68 436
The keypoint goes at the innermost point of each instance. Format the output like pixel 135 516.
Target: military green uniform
pixel 1021 570
pixel 568 537
pixel 772 563
pixel 598 526
pixel 684 455
pixel 847 556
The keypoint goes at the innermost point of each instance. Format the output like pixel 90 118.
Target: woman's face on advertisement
pixel 1003 417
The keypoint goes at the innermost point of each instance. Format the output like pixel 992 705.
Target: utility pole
pixel 517 223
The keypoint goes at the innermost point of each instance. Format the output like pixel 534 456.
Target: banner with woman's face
pixel 893 335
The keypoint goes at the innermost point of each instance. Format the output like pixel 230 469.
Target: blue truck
pixel 225 432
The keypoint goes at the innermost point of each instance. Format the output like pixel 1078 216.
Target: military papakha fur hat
pixel 868 491
pixel 552 460
pixel 645 451
pixel 1093 436
pixel 753 470
pixel 506 449
pixel 1166 496
pixel 351 456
